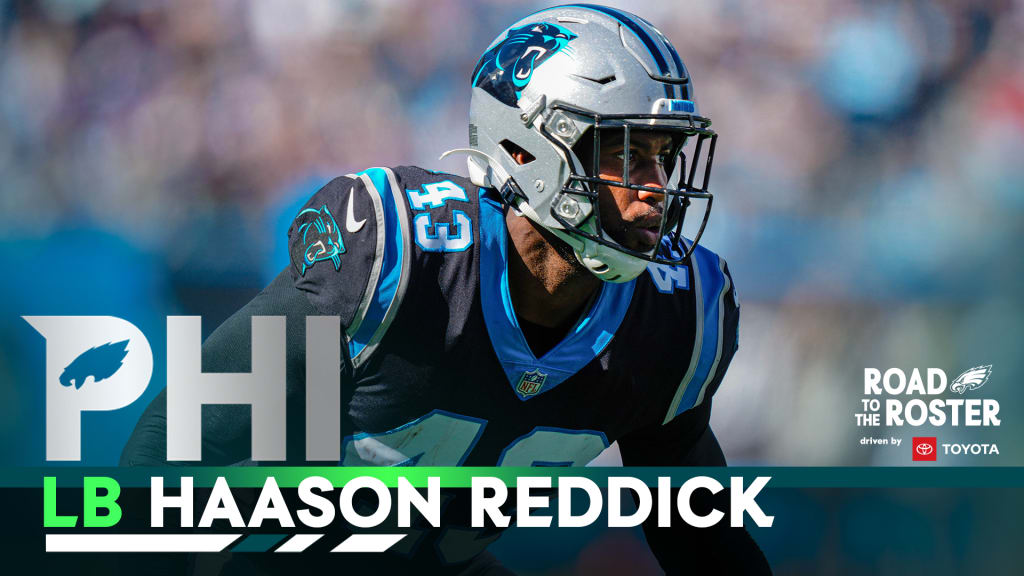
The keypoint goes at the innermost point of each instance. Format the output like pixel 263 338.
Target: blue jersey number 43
pixel 431 236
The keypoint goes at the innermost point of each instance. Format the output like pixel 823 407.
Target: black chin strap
pixel 511 193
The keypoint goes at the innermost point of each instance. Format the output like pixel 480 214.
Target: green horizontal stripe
pixel 451 477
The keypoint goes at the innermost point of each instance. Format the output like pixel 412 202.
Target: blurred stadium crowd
pixel 869 183
pixel 869 179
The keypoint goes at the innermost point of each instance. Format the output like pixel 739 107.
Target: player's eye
pixel 634 153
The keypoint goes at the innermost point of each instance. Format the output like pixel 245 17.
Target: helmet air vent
pixel 521 156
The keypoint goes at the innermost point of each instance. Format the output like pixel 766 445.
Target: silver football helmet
pixel 563 77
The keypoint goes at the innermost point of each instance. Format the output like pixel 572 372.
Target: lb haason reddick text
pixel 321 504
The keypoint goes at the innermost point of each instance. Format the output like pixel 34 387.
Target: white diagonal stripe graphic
pixel 139 542
pixel 299 542
pixel 368 542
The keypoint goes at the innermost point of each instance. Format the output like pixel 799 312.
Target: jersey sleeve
pixel 718 317
pixel 728 333
pixel 350 253
pixel 685 438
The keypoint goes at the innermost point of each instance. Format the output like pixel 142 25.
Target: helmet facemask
pixel 691 139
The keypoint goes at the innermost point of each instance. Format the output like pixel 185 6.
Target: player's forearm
pixel 718 549
pixel 689 441
pixel 226 428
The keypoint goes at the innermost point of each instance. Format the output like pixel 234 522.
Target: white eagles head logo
pixel 971 379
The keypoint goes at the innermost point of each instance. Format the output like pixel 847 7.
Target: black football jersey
pixel 436 370
pixel 414 263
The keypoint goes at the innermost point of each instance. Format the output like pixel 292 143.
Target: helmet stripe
pixel 644 37
pixel 679 64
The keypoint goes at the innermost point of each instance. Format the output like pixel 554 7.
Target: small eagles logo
pixel 971 379
pixel 531 383
pixel 98 363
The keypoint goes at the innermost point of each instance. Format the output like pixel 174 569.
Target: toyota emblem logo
pixel 924 449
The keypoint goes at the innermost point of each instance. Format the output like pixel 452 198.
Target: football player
pixel 532 313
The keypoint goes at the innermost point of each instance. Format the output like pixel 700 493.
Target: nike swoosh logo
pixel 350 220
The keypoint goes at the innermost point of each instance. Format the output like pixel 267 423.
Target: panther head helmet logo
pixel 505 69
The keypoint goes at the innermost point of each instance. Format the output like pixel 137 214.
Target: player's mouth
pixel 647 231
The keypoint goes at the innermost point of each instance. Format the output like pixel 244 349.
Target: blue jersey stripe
pixel 391 270
pixel 712 283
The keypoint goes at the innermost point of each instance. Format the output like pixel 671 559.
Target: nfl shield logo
pixel 531 383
